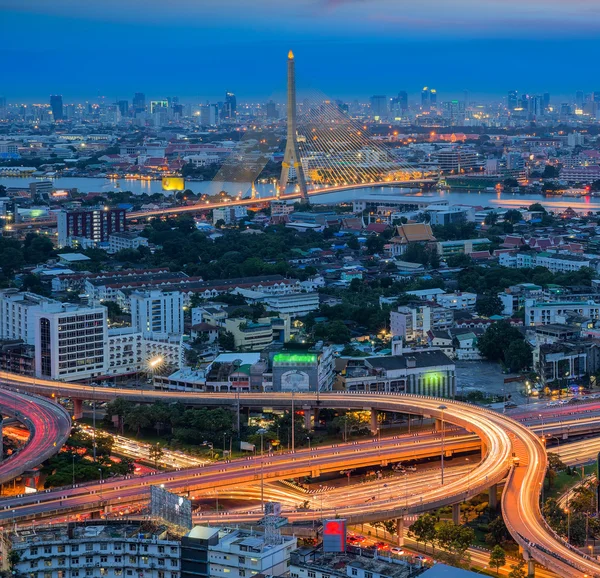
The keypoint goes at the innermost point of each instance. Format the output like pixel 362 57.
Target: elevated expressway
pixel 49 426
pixel 504 443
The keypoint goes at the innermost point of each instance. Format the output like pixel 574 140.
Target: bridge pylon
pixel 291 157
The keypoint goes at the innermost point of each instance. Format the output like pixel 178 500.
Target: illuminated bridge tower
pixel 291 158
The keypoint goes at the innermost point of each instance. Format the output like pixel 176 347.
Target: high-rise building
pixel 123 106
pixel 433 98
pixel 536 106
pixel 139 102
pixel 546 100
pixel 525 102
pixel 209 115
pixel 512 99
pixel 158 104
pixel 2 102
pixel 156 313
pixel 379 106
pixel 94 224
pixel 69 341
pixel 425 103
pixel 272 110
pixel 403 100
pixel 229 106
pixel 579 98
pixel 56 104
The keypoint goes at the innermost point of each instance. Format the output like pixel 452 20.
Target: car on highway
pixel 397 551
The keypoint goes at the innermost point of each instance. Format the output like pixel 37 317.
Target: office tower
pixel 69 341
pixel 433 98
pixel 56 104
pixel 291 158
pixel 379 107
pixel 466 98
pixel 139 102
pixel 230 105
pixel 157 314
pixel 525 102
pixel 512 99
pixel 123 107
pixel 546 100
pixel 209 115
pixel 536 106
pixel 272 111
pixel 579 98
pixel 596 96
pixel 403 100
pixel 172 101
pixel 425 103
pixel 94 224
pixel 2 102
pixel 156 104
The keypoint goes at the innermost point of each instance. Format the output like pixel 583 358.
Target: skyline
pixel 345 48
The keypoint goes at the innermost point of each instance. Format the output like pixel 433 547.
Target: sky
pixel 198 49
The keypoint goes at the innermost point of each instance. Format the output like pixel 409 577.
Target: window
pixel 75 548
pixel 161 549
pixel 173 562
pixel 89 559
pixel 103 546
pixel 354 572
pixel 368 574
pixel 61 548
pixel 103 559
pixel 311 574
pixel 47 550
pixel 33 564
pixel 242 559
pixel 74 560
pixel 34 551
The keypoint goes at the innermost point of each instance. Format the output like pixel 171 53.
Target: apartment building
pixel 546 313
pixel 412 322
pixel 97 549
pixel 157 313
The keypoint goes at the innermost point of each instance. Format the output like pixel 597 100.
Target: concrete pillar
pixel 530 567
pixel 493 497
pixel 400 530
pixel 77 408
pixel 1 441
pixel 374 421
pixel 456 513
pixel 438 425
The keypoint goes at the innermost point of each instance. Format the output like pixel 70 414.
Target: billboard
pixel 334 535
pixel 173 183
pixel 172 508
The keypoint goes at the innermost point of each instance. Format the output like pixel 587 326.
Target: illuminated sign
pixel 294 358
pixel 170 507
pixel 334 535
pixel 173 184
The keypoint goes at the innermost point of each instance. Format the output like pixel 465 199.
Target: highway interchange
pixel 505 443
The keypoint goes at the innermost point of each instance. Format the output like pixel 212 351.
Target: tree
pixel 488 305
pixel 375 244
pixel 518 570
pixel 518 356
pixel 226 341
pixel 497 532
pixel 513 216
pixel 455 539
pixel 459 260
pixel 353 243
pixel 11 260
pixel 113 309
pixel 137 419
pixel 423 530
pixel 491 218
pixel 497 338
pixel 497 558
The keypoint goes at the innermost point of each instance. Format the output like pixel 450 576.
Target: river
pixel 475 198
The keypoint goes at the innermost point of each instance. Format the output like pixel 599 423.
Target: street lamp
pixel 542 418
pixel 262 431
pixel 100 470
pixel 442 408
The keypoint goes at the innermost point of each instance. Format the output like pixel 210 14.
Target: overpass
pixel 49 426
pixel 508 448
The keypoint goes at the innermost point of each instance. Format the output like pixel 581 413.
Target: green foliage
pixel 455 231
pixel 513 216
pixel 518 570
pixel 424 254
pixel 226 341
pixel 488 305
pixel 497 558
pixel 497 532
pixel 503 342
pixel 333 332
pixel 455 539
pixel 423 530
pixel 113 309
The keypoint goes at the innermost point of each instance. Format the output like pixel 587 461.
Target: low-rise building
pixel 234 553
pixel 412 322
pixel 97 548
pixel 546 313
pixel 457 300
pixel 126 240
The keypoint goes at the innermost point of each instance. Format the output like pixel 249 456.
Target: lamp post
pixel 100 470
pixel 73 456
pixel 442 408
pixel 262 432
pixel 542 418
pixel 293 425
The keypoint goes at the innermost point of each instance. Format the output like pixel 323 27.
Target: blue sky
pixel 198 49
